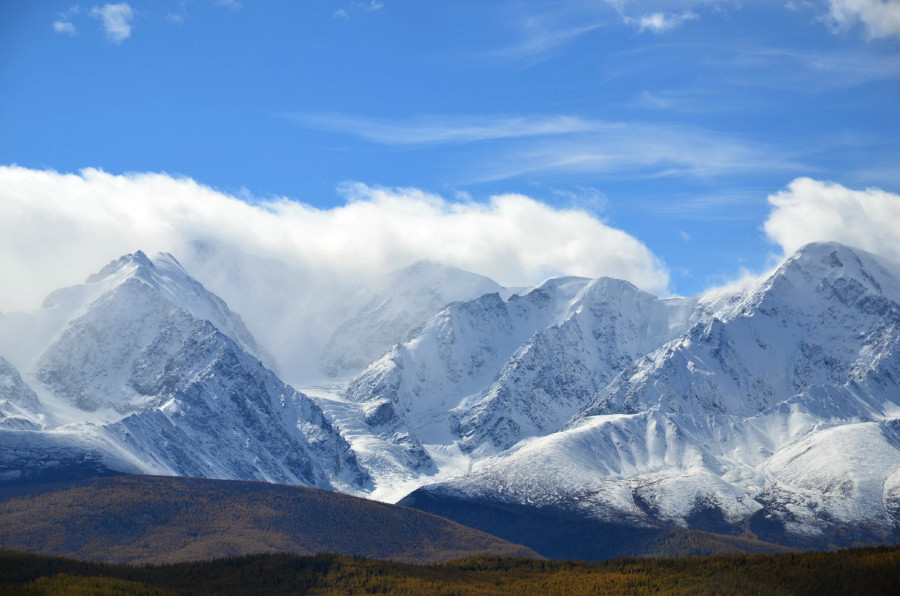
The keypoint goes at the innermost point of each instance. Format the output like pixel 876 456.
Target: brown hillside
pixel 154 519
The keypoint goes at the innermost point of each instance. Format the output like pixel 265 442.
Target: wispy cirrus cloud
pixel 810 70
pixel 538 36
pixel 444 129
pixel 541 28
pixel 635 150
pixel 565 143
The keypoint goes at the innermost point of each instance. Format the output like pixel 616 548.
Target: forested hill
pixel 862 571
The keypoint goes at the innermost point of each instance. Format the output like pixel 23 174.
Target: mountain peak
pixel 823 263
pixel 131 261
pixel 833 255
pixel 138 264
pixel 164 278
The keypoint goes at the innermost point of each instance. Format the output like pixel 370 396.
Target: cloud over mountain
pixel 283 263
pixel 53 222
pixel 810 210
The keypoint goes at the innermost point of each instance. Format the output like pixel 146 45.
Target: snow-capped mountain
pixel 827 318
pixel 162 373
pixel 406 300
pixel 772 411
pixel 775 412
pixel 489 372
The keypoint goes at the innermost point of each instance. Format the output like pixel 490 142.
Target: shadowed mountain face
pixel 144 519
pixel 566 535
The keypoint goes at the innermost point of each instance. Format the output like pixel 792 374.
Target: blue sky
pixel 674 121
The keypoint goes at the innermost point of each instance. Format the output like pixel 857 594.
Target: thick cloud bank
pixel 283 264
pixel 56 227
pixel 810 211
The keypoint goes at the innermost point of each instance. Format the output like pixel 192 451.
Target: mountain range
pixel 770 412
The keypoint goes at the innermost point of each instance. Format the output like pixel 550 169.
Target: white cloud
pixel 64 25
pixel 64 28
pixel 880 18
pixel 810 211
pixel 284 263
pixel 341 14
pixel 116 20
pixel 658 22
pixel 659 16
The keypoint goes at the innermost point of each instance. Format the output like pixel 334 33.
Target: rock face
pixel 164 374
pixel 774 411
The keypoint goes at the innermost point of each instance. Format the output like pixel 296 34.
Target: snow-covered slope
pixel 483 374
pixel 605 326
pixel 144 357
pixel 827 318
pixel 408 298
pixel 776 412
pixel 19 406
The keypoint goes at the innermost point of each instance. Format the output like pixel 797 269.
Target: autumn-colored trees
pixel 861 571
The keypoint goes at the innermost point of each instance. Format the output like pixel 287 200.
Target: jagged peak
pixel 563 286
pixel 132 261
pixel 167 278
pixel 817 268
pixel 832 255
pixel 819 261
pixel 138 264
pixel 606 285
